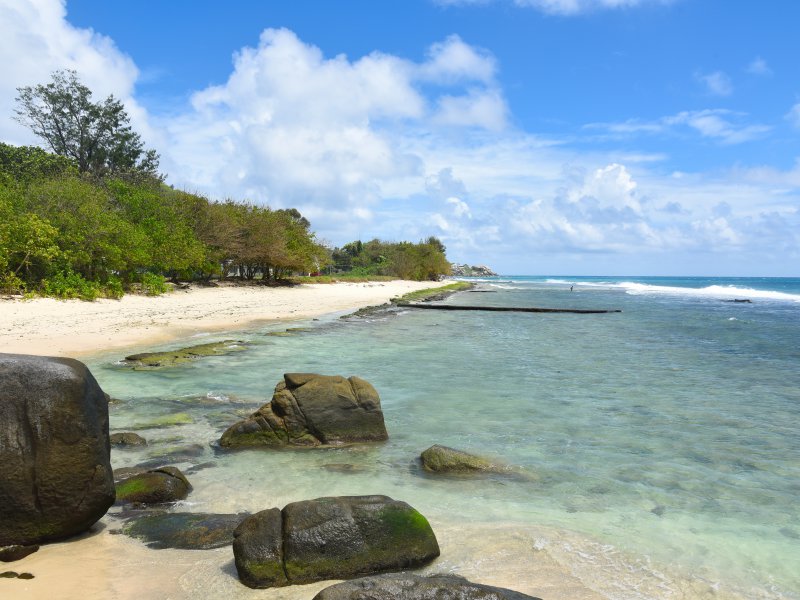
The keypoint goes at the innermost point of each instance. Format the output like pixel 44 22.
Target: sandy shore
pixel 49 327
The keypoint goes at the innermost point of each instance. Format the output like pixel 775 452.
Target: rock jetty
pixel 312 410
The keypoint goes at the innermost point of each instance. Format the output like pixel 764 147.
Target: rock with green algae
pixel 312 410
pixel 331 538
pixel 158 486
pixel 186 531
pixel 181 356
pixel 442 459
pixel 408 586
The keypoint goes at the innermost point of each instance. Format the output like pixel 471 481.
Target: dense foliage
pixel 96 219
pixel 67 235
pixel 425 260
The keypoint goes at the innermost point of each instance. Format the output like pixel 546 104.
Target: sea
pixel 655 451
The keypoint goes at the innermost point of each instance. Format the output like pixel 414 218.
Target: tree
pixel 96 135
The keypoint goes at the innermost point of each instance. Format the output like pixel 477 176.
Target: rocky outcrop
pixel 406 586
pixel 312 410
pixel 55 474
pixel 331 538
pixel 173 358
pixel 127 439
pixel 187 531
pixel 166 484
pixel 471 271
pixel 441 459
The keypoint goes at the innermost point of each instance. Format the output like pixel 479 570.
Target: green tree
pixel 96 135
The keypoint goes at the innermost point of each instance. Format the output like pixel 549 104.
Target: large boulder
pixel 165 484
pixel 331 538
pixel 312 410
pixel 56 478
pixel 406 586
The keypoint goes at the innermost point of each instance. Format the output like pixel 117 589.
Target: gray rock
pixel 312 410
pixel 406 586
pixel 15 552
pixel 56 477
pixel 127 438
pixel 331 538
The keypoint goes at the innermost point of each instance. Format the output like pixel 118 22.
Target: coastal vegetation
pixel 94 218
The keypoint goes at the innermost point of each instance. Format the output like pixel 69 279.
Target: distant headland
pixel 471 271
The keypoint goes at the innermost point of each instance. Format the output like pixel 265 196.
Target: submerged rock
pixel 407 586
pixel 127 439
pixel 166 484
pixel 187 531
pixel 173 358
pixel 331 538
pixel 312 410
pixel 56 478
pixel 441 459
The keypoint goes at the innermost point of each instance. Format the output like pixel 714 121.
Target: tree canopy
pixel 96 135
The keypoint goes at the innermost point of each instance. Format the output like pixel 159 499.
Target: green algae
pixel 170 420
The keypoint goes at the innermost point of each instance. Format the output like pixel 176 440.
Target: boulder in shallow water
pixel 127 439
pixel 442 459
pixel 165 484
pixel 331 538
pixel 407 586
pixel 312 410
pixel 56 478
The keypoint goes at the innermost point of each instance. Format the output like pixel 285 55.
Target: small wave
pixel 506 287
pixel 712 291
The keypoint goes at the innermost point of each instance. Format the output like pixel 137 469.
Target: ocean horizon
pixel 658 446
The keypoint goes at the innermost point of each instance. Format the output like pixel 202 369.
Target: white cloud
pixel 716 83
pixel 453 61
pixel 726 126
pixel 758 66
pixel 460 208
pixel 477 108
pixel 36 39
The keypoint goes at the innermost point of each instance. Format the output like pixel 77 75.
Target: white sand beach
pixel 49 327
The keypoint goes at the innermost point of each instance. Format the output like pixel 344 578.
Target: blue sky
pixel 538 136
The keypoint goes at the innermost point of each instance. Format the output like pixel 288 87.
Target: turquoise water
pixel 663 439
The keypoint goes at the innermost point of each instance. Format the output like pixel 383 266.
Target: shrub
pixel 68 284
pixel 154 285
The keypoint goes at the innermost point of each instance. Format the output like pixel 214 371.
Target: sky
pixel 563 137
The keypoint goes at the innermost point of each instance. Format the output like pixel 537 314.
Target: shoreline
pixel 75 328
